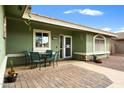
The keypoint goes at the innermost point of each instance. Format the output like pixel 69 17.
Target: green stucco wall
pixel 89 42
pixel 55 32
pixel 19 39
pixel 2 40
pixel 89 45
pixel 79 41
pixel 107 43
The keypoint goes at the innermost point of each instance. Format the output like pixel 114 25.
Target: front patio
pixel 69 74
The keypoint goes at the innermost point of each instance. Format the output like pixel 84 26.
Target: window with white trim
pixel 99 44
pixel 41 40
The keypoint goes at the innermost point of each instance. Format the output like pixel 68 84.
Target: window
pixel 41 40
pixel 99 43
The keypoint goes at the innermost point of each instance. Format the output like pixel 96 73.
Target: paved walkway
pixel 115 75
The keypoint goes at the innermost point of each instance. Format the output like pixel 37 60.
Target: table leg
pixel 45 62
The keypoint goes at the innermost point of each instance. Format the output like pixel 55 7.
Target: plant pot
pixel 98 61
pixel 11 78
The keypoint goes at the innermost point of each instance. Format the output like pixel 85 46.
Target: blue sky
pixel 109 18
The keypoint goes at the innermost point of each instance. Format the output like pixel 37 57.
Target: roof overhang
pixel 48 20
pixel 53 21
pixel 14 10
pixel 24 13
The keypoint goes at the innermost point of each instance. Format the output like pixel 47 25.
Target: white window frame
pixel 94 44
pixel 42 49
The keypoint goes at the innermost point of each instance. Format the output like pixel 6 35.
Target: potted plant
pixel 96 60
pixel 12 75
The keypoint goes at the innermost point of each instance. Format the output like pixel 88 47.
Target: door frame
pixel 64 49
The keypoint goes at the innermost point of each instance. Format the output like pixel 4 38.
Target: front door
pixel 65 46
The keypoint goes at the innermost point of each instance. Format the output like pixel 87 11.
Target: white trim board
pixel 2 71
pixel 88 54
pixel 15 55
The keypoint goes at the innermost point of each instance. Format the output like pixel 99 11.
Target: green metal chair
pixel 54 58
pixel 36 59
pixel 27 57
pixel 50 52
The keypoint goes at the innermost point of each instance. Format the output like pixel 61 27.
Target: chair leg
pixel 57 63
pixel 31 65
pixel 36 64
pixel 53 64
pixel 40 66
pixel 26 63
pixel 50 63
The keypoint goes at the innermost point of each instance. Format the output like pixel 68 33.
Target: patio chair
pixel 50 52
pixel 27 57
pixel 54 58
pixel 36 59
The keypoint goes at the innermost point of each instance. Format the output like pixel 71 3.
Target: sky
pixel 109 18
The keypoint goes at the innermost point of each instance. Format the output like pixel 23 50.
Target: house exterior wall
pixel 89 46
pixel 20 39
pixel 112 46
pixel 108 46
pixel 79 44
pixel 55 32
pixel 89 42
pixel 79 41
pixel 120 35
pixel 119 46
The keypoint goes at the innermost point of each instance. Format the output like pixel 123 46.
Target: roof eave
pixel 48 20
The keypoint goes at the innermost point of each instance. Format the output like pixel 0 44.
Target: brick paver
pixel 114 62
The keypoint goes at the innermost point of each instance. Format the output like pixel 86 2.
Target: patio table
pixel 45 56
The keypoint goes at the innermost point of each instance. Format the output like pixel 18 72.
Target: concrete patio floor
pixel 116 76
